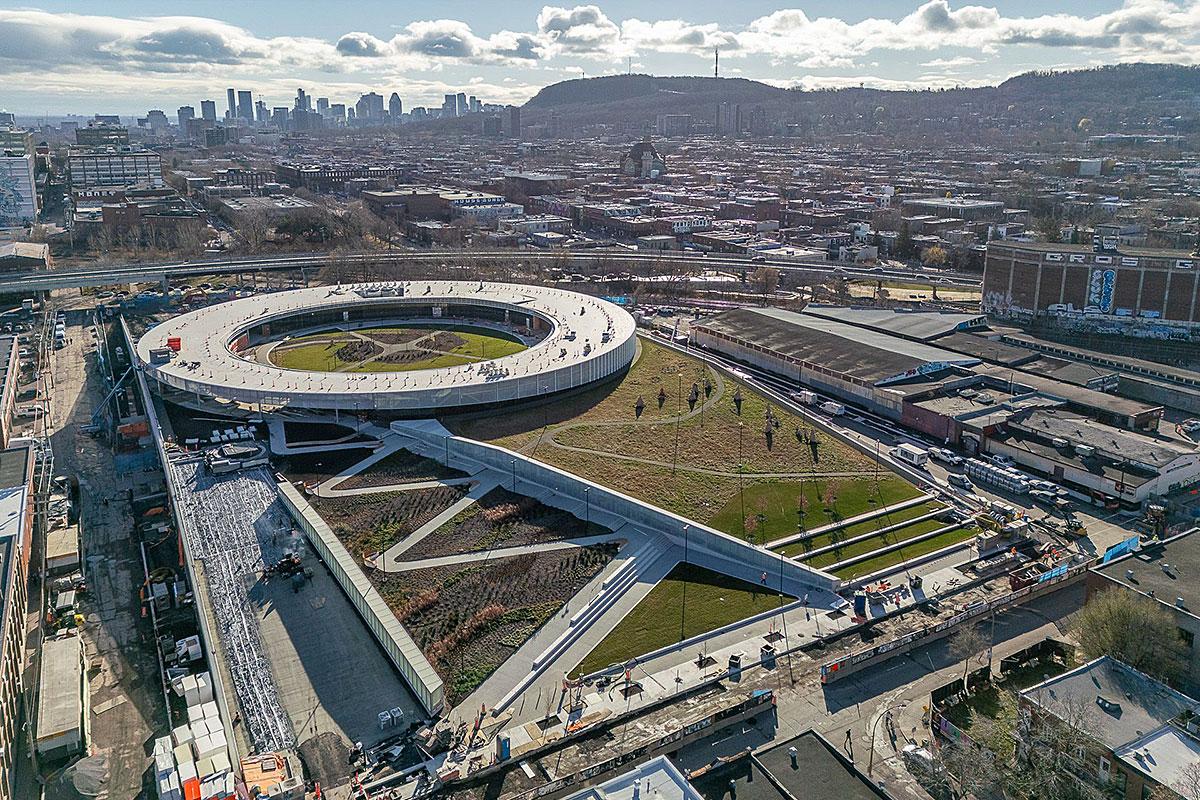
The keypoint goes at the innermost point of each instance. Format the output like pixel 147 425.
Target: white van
pixel 833 409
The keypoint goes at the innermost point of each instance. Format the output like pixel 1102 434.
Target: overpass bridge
pixel 81 277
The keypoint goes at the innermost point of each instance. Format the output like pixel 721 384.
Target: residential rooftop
pixel 1135 703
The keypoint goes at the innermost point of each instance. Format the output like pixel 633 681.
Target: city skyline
pixel 58 62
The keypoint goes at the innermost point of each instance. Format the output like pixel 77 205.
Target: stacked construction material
pixel 193 762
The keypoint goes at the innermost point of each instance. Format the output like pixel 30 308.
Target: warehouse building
pixel 1095 459
pixel 1106 283
pixel 865 366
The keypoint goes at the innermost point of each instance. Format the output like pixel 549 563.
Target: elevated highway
pixel 80 277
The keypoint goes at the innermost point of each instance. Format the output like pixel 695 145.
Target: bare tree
pixel 1025 754
pixel 1132 629
pixel 253 226
pixel 967 643
pixel 1187 786
pixel 765 281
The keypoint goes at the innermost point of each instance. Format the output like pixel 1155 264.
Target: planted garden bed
pixel 501 519
pixel 371 523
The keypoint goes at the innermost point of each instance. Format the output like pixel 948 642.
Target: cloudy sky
pixel 110 57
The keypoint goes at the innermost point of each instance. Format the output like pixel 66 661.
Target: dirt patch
pixel 500 519
pixel 405 357
pixel 401 466
pixel 444 340
pixel 371 523
pixel 395 337
pixel 326 758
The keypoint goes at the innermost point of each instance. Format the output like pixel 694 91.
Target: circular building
pixel 405 348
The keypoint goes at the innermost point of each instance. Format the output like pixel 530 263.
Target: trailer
pixel 911 454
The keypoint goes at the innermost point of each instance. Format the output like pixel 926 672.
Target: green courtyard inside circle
pixel 394 348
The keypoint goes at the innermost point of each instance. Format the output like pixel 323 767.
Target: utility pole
pixel 716 62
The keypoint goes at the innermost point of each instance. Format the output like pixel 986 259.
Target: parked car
pixel 1002 460
pixel 960 481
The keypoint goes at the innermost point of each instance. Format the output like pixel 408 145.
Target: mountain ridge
pixel 1109 98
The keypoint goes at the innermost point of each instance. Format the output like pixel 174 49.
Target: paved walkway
pixel 390 560
pixel 499 553
pixel 653 562
pixel 324 490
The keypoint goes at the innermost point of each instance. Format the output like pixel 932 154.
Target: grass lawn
pixel 689 494
pixel 318 351
pixel 603 419
pixel 315 357
pixel 861 528
pixel 905 553
pixel 778 504
pixel 712 600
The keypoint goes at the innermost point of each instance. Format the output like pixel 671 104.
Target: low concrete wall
pixel 705 546
pixel 387 630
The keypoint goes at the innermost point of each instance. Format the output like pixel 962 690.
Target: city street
pixel 127 704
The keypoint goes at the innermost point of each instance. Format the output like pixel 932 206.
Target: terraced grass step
pixel 858 529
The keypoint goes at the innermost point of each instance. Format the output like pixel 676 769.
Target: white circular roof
pixel 589 339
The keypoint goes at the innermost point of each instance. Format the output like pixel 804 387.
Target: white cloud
pixel 1139 29
pixel 98 51
pixel 952 63
pixel 676 36
pixel 582 30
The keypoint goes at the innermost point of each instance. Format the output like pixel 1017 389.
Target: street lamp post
pixel 513 463
pixel 678 409
pixel 587 507
pixel 874 727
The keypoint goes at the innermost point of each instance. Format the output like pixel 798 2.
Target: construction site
pixel 370 605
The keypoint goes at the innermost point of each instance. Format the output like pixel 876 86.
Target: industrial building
pixel 1094 458
pixel 1099 445
pixel 91 172
pixel 862 365
pixel 16 533
pixel 964 208
pixel 18 188
pixel 1106 283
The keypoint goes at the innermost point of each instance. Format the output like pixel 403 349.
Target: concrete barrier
pixel 705 546
pixel 418 673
